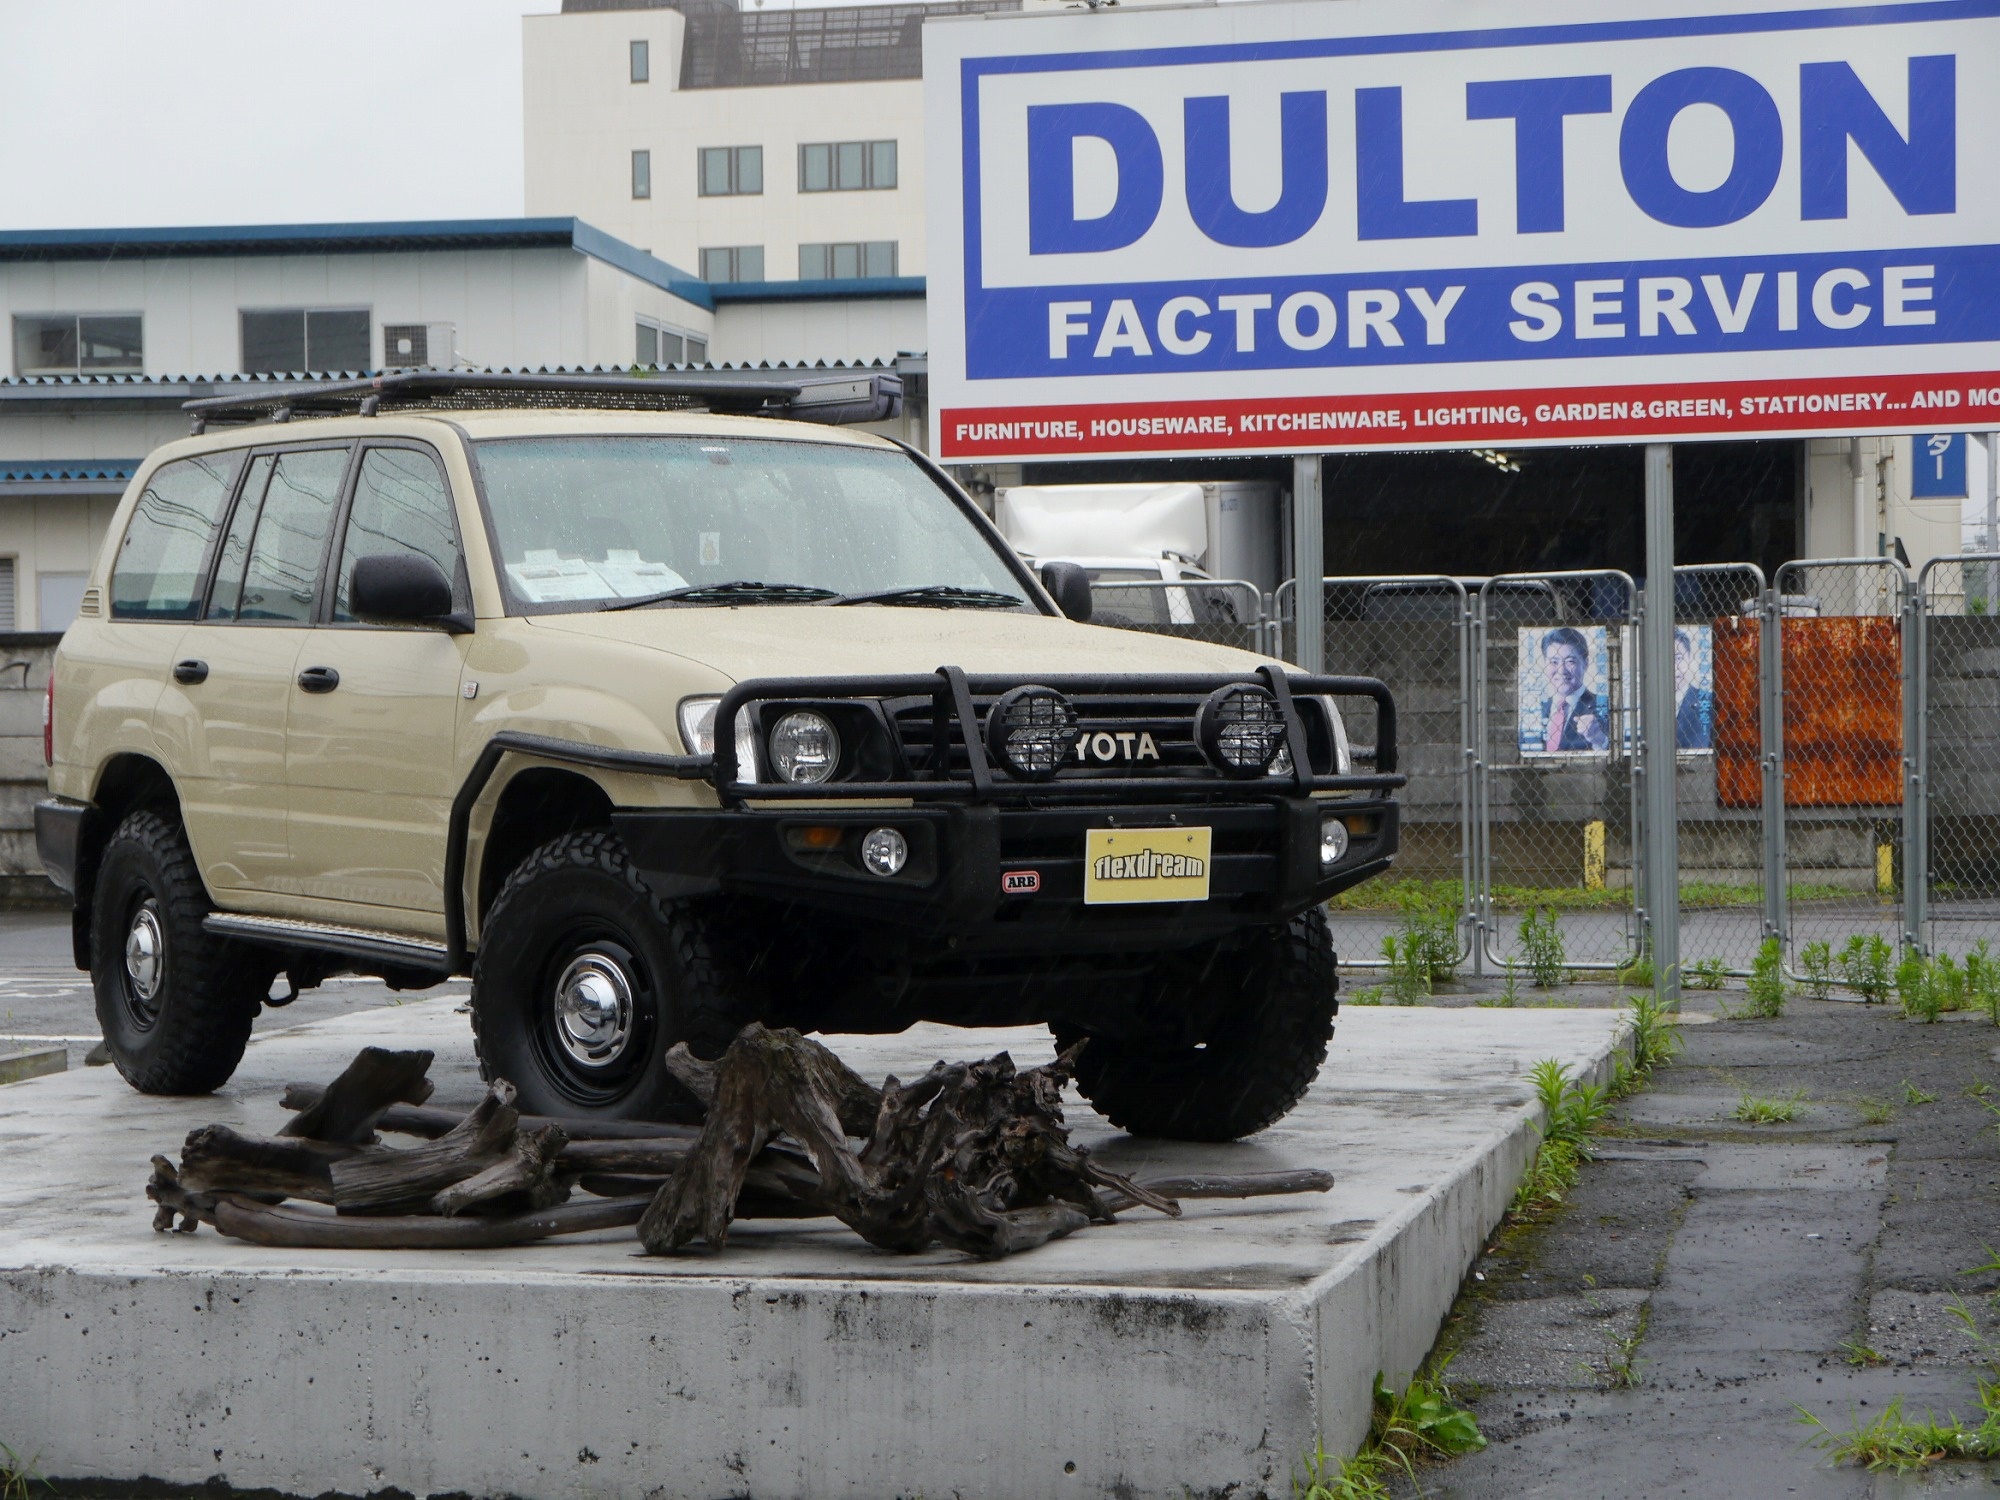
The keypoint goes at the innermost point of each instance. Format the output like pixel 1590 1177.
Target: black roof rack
pixel 833 396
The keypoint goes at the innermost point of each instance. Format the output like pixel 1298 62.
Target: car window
pixel 282 571
pixel 583 520
pixel 159 569
pixel 401 505
pixel 227 593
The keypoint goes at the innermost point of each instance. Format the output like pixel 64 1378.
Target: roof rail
pixel 832 396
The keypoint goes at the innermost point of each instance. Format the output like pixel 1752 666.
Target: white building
pixel 111 330
pixel 778 152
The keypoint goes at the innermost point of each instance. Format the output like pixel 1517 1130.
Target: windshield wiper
pixel 737 591
pixel 937 596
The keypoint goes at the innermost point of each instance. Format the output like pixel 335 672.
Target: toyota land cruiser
pixel 656 710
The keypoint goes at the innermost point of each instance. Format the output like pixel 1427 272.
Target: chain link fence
pixel 1555 795
pixel 1958 752
pixel 1720 769
pixel 1856 692
pixel 1841 704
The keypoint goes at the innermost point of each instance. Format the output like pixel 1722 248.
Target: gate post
pixel 1656 722
pixel 1771 717
pixel 1916 763
pixel 1308 563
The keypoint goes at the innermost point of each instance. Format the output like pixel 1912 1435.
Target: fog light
pixel 1241 728
pixel 804 748
pixel 884 852
pixel 1332 841
pixel 1032 731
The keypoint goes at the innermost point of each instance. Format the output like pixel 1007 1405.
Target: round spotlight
pixel 1032 731
pixel 884 852
pixel 805 748
pixel 1332 841
pixel 1241 729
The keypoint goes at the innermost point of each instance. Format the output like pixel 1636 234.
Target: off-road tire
pixel 1259 1058
pixel 576 894
pixel 187 1036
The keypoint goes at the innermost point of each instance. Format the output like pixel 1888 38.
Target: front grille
pixel 933 747
pixel 935 750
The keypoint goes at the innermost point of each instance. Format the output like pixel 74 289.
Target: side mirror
pixel 403 588
pixel 1069 586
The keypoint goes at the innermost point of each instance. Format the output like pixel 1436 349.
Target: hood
pixel 784 640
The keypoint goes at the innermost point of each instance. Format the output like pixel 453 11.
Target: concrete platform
pixel 1150 1358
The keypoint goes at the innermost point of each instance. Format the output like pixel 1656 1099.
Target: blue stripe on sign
pixel 1009 329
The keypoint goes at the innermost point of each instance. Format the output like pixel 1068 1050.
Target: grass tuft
pixel 1865 966
pixel 1875 1111
pixel 1763 1109
pixel 18 1476
pixel 1542 949
pixel 1767 988
pixel 1914 1095
pixel 1816 964
pixel 1705 974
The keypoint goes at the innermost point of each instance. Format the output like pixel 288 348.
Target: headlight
pixel 698 734
pixel 1332 840
pixel 1032 731
pixel 805 748
pixel 1241 729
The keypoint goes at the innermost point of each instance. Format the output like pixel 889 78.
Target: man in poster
pixel 1694 705
pixel 1572 717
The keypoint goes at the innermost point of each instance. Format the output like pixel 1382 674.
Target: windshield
pixel 584 522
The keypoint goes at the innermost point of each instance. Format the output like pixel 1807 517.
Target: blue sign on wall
pixel 1937 462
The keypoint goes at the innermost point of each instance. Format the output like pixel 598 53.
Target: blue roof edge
pixel 817 291
pixel 214 238
pixel 594 242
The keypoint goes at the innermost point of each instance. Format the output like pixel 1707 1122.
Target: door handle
pixel 319 679
pixel 190 671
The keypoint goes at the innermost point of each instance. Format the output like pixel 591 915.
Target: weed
pixel 1370 996
pixel 1992 1263
pixel 1636 974
pixel 17 1474
pixel 1865 966
pixel 1982 982
pixel 1860 1355
pixel 1541 942
pixel 1767 987
pixel 1978 1090
pixel 1409 976
pixel 1928 987
pixel 1430 935
pixel 1417 1424
pixel 1706 974
pixel 1899 1443
pixel 1761 1109
pixel 1509 996
pixel 1570 1112
pixel 1914 1095
pixel 1656 1035
pixel 1622 1363
pixel 1875 1111
pixel 1816 963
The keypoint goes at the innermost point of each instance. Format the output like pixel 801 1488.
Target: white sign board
pixel 1345 224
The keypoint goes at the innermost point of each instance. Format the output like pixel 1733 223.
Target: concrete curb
pixel 17 1066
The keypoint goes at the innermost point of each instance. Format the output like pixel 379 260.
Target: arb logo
pixel 1020 882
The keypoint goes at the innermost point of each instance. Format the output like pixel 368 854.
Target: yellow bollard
pixel 1885 869
pixel 1593 855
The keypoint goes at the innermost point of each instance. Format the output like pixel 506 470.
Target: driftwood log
pixel 974 1156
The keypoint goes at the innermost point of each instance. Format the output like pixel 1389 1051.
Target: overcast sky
pixel 138 112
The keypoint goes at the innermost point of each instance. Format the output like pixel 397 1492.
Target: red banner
pixel 1479 419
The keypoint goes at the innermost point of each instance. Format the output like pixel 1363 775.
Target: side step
pixel 359 942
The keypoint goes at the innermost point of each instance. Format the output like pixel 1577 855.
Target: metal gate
pixel 1723 778
pixel 1555 795
pixel 1226 611
pixel 1841 750
pixel 1956 802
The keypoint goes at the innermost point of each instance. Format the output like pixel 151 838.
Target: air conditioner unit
pixel 409 346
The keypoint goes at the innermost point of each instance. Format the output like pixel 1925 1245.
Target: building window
pixel 78 344
pixel 731 171
pixel 847 262
pixel 642 174
pixel 732 263
pixel 661 345
pixel 6 593
pixel 288 340
pixel 847 166
pixel 642 67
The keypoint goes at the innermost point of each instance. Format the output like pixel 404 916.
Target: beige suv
pixel 655 712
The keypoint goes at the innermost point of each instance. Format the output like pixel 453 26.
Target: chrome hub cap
pixel 594 1010
pixel 145 952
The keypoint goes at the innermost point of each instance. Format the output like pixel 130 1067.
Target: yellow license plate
pixel 1145 864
